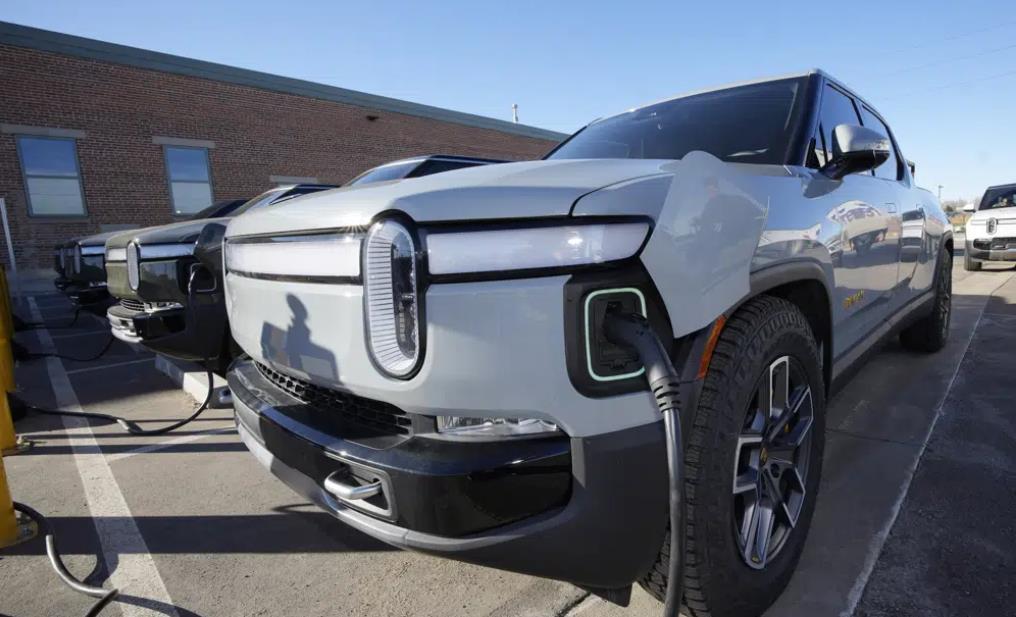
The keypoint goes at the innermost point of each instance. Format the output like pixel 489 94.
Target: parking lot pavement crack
pixel 900 442
pixel 575 606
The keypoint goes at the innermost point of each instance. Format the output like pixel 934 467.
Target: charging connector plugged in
pixel 605 359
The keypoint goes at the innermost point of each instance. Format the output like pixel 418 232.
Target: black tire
pixel 970 264
pixel 717 580
pixel 931 332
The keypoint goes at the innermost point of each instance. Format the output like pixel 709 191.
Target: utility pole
pixel 515 113
pixel 940 192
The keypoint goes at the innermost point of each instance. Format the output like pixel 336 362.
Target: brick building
pixel 96 136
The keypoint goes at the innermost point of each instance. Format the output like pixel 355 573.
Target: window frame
pixel 25 175
pixel 900 173
pixel 903 173
pixel 169 177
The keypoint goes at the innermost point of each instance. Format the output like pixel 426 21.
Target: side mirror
pixel 969 208
pixel 856 149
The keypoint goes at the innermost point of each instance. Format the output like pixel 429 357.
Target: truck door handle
pixel 349 492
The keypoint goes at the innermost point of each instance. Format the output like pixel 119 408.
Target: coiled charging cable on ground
pixel 21 325
pixel 124 423
pixel 634 331
pixel 105 596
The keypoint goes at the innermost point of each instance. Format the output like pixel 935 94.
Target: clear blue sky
pixel 943 73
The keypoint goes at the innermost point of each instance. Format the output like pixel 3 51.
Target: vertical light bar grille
pixel 390 296
pixel 133 266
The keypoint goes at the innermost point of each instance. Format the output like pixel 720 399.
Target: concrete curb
pixel 191 378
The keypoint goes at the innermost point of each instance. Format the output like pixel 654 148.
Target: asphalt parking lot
pixel 914 518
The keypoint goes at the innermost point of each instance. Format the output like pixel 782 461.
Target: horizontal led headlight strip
pixel 324 257
pixel 166 251
pixel 94 249
pixel 533 248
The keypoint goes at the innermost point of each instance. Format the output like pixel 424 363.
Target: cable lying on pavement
pixel 23 354
pixel 105 596
pixel 21 325
pixel 124 423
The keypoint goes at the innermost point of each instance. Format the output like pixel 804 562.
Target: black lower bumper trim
pixel 991 254
pixel 594 513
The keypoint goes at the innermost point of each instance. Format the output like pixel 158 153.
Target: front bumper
pixel 174 331
pixel 992 249
pixel 588 510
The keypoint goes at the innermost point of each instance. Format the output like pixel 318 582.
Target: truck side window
pixel 837 108
pixel 889 170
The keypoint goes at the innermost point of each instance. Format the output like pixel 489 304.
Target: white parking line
pixel 875 550
pixel 123 547
pixel 85 369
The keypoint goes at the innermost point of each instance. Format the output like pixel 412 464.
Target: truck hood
pixel 97 239
pixel 183 232
pixel 528 189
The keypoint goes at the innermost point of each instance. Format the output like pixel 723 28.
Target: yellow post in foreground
pixel 5 298
pixel 8 438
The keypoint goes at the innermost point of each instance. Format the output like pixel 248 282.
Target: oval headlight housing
pixel 133 267
pixel 77 259
pixel 391 298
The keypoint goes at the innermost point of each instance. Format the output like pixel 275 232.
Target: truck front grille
pixel 133 305
pixel 378 415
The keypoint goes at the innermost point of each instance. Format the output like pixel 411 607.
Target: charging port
pixel 607 361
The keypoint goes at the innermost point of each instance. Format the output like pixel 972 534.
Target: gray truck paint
pixel 716 224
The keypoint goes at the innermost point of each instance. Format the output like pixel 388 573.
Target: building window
pixel 190 183
pixel 52 178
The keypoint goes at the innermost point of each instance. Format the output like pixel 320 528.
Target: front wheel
pixel 752 462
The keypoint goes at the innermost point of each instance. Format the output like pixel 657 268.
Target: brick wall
pixel 257 134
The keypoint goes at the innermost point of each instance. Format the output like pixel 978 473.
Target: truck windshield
pixel 382 173
pixel 744 124
pixel 1002 197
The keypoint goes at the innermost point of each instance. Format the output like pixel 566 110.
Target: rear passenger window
pixel 890 170
pixel 837 108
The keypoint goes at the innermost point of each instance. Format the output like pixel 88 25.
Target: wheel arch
pixel 804 284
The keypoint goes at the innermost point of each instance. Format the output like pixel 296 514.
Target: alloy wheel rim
pixel 771 462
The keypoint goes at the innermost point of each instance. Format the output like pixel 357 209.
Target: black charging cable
pixel 21 325
pixel 105 596
pixel 634 331
pixel 124 423
pixel 32 355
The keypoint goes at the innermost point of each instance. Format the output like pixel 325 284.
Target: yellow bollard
pixel 7 301
pixel 9 442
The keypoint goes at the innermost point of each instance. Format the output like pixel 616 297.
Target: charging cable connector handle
pixel 634 331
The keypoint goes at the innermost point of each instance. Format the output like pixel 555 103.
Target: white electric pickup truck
pixel 991 230
pixel 428 359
